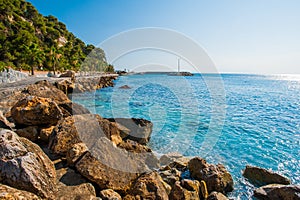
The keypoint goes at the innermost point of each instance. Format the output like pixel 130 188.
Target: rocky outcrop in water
pixel 260 176
pixel 278 192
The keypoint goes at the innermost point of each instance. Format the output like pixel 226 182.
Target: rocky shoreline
pixel 53 148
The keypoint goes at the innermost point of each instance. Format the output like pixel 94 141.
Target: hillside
pixel 29 40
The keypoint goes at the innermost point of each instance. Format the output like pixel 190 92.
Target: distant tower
pixel 178 65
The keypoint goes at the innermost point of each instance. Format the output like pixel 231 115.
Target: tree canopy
pixel 30 40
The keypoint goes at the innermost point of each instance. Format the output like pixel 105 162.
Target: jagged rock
pixel 9 193
pixel 125 87
pixel 30 132
pixel 278 192
pixel 84 191
pixel 35 111
pixel 217 178
pixel 25 166
pixel 174 160
pixel 66 86
pixel 170 176
pixel 180 193
pixel 109 194
pixel 260 176
pixel 71 108
pixel 76 152
pixel 81 128
pixel 46 90
pixel 217 196
pixel 104 175
pixel 45 133
pixel 4 123
pixel 68 176
pixel 138 130
pixel 133 146
pixel 150 186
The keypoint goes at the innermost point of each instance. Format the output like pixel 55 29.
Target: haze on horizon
pixel 260 37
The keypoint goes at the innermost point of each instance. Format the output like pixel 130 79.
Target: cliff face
pixel 29 39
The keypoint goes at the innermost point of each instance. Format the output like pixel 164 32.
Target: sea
pixel 232 119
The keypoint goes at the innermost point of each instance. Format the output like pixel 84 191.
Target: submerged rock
pixel 138 130
pixel 217 178
pixel 9 193
pixel 25 166
pixel 125 87
pixel 260 176
pixel 35 111
pixel 278 192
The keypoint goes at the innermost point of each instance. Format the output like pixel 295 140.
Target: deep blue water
pixel 230 119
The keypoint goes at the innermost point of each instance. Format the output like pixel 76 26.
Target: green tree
pixel 35 56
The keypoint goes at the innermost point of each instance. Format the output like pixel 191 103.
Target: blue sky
pixel 251 36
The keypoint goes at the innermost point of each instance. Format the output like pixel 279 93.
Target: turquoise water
pixel 232 119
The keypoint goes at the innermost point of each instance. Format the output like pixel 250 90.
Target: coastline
pixel 68 153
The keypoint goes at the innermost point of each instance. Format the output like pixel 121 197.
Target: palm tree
pixel 34 56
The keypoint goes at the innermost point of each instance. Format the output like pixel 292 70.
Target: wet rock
pixel 45 133
pixel 81 128
pixel 109 194
pixel 25 166
pixel 76 152
pixel 104 175
pixel 278 192
pixel 217 178
pixel 180 193
pixel 35 111
pixel 217 196
pixel 150 186
pixel 9 193
pixel 138 130
pixel 85 191
pixel 30 132
pixel 125 87
pixel 260 176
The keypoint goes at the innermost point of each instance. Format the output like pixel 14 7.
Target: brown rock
pixel 35 111
pixel 103 175
pixel 71 108
pixel 9 193
pixel 25 166
pixel 174 160
pixel 69 73
pixel 133 146
pixel 81 128
pixel 30 132
pixel 138 130
pixel 125 87
pixel 45 133
pixel 46 90
pixel 69 177
pixel 217 178
pixel 170 176
pixel 180 193
pixel 217 196
pixel 84 191
pixel 76 152
pixel 109 194
pixel 4 123
pixel 278 192
pixel 260 176
pixel 150 186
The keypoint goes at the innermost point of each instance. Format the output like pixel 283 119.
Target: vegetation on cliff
pixel 30 40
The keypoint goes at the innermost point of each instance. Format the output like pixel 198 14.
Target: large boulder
pixel 138 130
pixel 81 128
pixel 217 178
pixel 278 192
pixel 150 186
pixel 180 193
pixel 260 176
pixel 36 111
pixel 25 166
pixel 9 193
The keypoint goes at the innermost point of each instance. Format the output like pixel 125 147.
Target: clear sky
pixel 241 36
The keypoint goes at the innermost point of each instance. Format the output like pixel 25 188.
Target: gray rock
pixel 25 166
pixel 278 192
pixel 260 176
